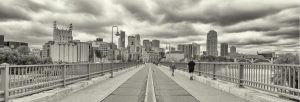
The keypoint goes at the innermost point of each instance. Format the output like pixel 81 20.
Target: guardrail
pixel 275 78
pixel 21 80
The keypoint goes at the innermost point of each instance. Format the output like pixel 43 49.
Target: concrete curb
pixel 245 93
pixel 57 93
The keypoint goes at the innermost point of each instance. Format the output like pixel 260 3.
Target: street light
pixel 113 53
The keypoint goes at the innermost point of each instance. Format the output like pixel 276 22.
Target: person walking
pixel 191 66
pixel 172 67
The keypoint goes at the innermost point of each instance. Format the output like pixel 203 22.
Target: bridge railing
pixel 21 80
pixel 275 78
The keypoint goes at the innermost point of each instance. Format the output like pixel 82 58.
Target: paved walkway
pixel 133 90
pixel 138 85
pixel 167 90
pixel 201 91
pixel 99 91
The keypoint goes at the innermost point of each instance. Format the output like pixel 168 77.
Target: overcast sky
pixel 250 25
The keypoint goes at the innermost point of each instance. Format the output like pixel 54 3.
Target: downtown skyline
pixel 268 25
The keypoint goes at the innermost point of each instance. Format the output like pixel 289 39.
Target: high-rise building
pixel 196 50
pixel 147 45
pixel 232 50
pixel 190 50
pixel 180 47
pixel 137 40
pixel 62 35
pixel 156 43
pixel 122 39
pixel 212 43
pixel 224 49
pixel 1 41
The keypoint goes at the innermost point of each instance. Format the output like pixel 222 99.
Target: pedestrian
pixel 191 66
pixel 172 67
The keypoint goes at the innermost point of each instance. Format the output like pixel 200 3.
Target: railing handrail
pixel 30 77
pixel 292 65
pixel 281 79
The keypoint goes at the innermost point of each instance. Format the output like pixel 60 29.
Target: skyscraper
pixel 212 43
pixel 156 43
pixel 196 50
pixel 137 40
pixel 121 42
pixel 224 49
pixel 147 45
pixel 232 50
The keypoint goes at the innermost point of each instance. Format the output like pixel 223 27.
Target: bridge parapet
pixel 275 78
pixel 21 80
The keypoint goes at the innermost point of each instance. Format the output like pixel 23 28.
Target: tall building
pixel 64 48
pixel 156 43
pixel 62 35
pixel 190 50
pixel 224 49
pixel 36 52
pixel 122 39
pixel 137 40
pixel 180 47
pixel 147 45
pixel 1 41
pixel 196 50
pixel 232 50
pixel 134 47
pixel 45 53
pixel 212 43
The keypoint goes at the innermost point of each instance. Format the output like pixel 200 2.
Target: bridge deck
pixel 132 88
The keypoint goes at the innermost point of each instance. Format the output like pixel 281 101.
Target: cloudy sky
pixel 250 25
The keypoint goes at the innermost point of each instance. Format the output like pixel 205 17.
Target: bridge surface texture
pixel 133 86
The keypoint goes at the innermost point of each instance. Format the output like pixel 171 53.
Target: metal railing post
pixel 111 70
pixel 5 81
pixel 214 72
pixel 89 71
pixel 199 69
pixel 64 75
pixel 241 75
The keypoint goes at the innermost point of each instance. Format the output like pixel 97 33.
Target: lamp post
pixel 113 53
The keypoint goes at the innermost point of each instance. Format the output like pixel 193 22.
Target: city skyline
pixel 263 25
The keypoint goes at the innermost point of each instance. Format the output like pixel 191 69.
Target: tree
pixel 208 58
pixel 23 50
pixel 288 58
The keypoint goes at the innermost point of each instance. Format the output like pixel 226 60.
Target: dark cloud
pixel 256 28
pixel 8 12
pixel 244 42
pixel 89 7
pixel 173 30
pixel 220 13
pixel 138 9
pixel 289 33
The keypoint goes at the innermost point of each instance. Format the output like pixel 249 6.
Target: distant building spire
pixel 70 27
pixel 54 24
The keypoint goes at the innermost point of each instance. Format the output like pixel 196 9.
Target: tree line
pixel 21 56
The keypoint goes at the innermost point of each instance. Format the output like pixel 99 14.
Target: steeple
pixel 54 25
pixel 70 27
